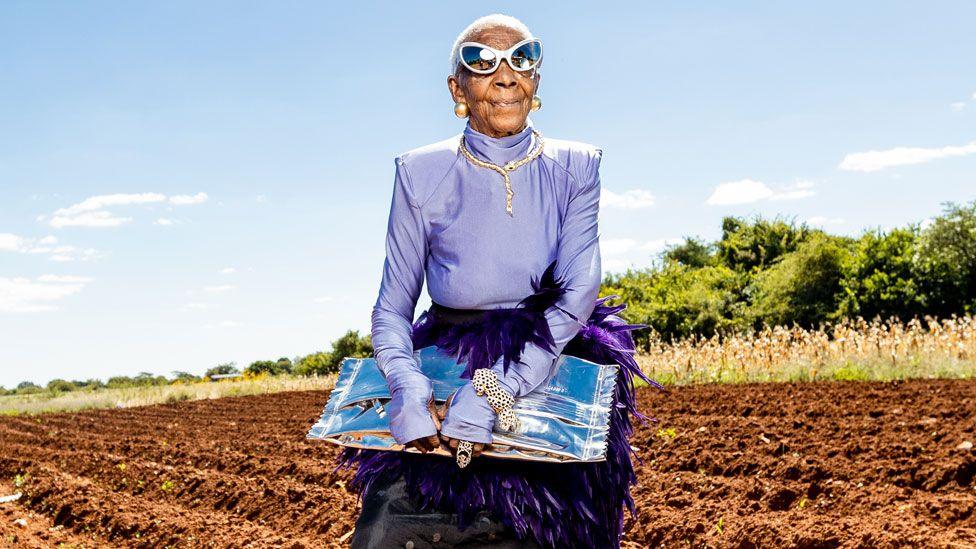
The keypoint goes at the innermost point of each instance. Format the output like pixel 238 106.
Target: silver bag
pixel 566 419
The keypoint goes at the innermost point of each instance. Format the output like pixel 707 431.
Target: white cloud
pixel 101 218
pixel 11 242
pixel 973 97
pixel 800 189
pixel 744 191
pixel 223 324
pixel 14 243
pixel 228 270
pixel 218 289
pixel 821 220
pixel 628 200
pixel 187 200
pixel 617 265
pixel 64 278
pixel 326 299
pixel 103 201
pixel 197 306
pixel 659 245
pixel 749 191
pixel 872 161
pixel 616 246
pixel 958 106
pixel 93 212
pixel 163 221
pixel 620 246
pixel 23 295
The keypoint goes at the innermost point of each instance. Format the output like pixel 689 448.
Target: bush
pixel 677 300
pixel 351 344
pixel 946 260
pixel 880 281
pixel 752 246
pixel 804 287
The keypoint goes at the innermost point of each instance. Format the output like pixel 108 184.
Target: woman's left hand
pixel 476 448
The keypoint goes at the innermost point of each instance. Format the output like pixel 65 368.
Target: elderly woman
pixel 503 223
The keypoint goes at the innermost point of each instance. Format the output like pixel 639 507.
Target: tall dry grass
pixel 128 397
pixel 852 350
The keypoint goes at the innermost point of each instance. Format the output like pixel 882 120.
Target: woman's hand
pixel 452 443
pixel 431 443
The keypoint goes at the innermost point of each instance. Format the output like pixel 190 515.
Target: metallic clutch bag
pixel 566 419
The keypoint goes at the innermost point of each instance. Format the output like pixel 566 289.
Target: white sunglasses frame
pixel 501 55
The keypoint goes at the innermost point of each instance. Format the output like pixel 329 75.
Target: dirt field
pixel 759 465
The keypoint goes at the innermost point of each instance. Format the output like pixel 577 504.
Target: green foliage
pixel 803 287
pixel 678 300
pixel 184 377
pixel 60 386
pixel 351 344
pixel 225 368
pixel 753 246
pixel 316 363
pixel 777 272
pixel 27 387
pixel 881 279
pixel 946 259
pixel 693 252
pixel 280 366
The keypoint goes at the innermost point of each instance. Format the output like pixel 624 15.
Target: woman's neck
pixel 481 128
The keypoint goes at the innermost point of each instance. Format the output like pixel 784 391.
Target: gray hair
pixel 482 23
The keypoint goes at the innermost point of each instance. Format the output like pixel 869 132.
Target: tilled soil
pixel 758 465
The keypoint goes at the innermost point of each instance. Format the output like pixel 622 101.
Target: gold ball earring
pixel 461 110
pixel 536 103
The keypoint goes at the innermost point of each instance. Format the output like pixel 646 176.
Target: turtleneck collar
pixel 499 150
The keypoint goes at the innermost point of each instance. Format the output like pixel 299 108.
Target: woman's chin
pixel 508 123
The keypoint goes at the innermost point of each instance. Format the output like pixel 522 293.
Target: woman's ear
pixel 454 86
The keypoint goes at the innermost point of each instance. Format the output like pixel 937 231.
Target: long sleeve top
pixel 448 223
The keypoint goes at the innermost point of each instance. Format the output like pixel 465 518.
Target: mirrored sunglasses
pixel 482 59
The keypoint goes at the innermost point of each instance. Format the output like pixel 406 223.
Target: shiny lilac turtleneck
pixel 448 222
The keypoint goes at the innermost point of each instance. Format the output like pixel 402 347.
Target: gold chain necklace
pixel 504 170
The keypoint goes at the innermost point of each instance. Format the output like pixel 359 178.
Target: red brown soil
pixel 758 465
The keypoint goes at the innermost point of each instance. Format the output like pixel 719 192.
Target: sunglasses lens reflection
pixel 478 58
pixel 526 56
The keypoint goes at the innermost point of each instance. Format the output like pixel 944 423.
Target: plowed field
pixel 760 465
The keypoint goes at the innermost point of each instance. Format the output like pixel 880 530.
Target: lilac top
pixel 448 221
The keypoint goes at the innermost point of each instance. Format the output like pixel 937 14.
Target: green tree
pixel 947 261
pixel 693 252
pixel 315 363
pixel 58 385
pixel 803 287
pixel 881 277
pixel 753 246
pixel 220 369
pixel 27 387
pixel 350 345
pixel 281 366
pixel 677 300
pixel 179 375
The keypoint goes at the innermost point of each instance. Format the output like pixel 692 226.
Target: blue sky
pixel 185 184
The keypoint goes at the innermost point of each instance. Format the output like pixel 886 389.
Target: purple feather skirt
pixel 550 504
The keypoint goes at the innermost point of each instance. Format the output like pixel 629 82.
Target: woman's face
pixel 499 102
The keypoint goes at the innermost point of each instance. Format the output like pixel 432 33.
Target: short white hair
pixel 482 23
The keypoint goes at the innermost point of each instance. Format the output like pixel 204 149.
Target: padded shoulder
pixel 581 160
pixel 427 166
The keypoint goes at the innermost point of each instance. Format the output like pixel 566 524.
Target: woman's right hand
pixel 431 443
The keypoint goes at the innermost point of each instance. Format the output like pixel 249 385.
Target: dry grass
pixel 141 396
pixel 851 350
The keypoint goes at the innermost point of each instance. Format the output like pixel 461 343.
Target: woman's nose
pixel 505 76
